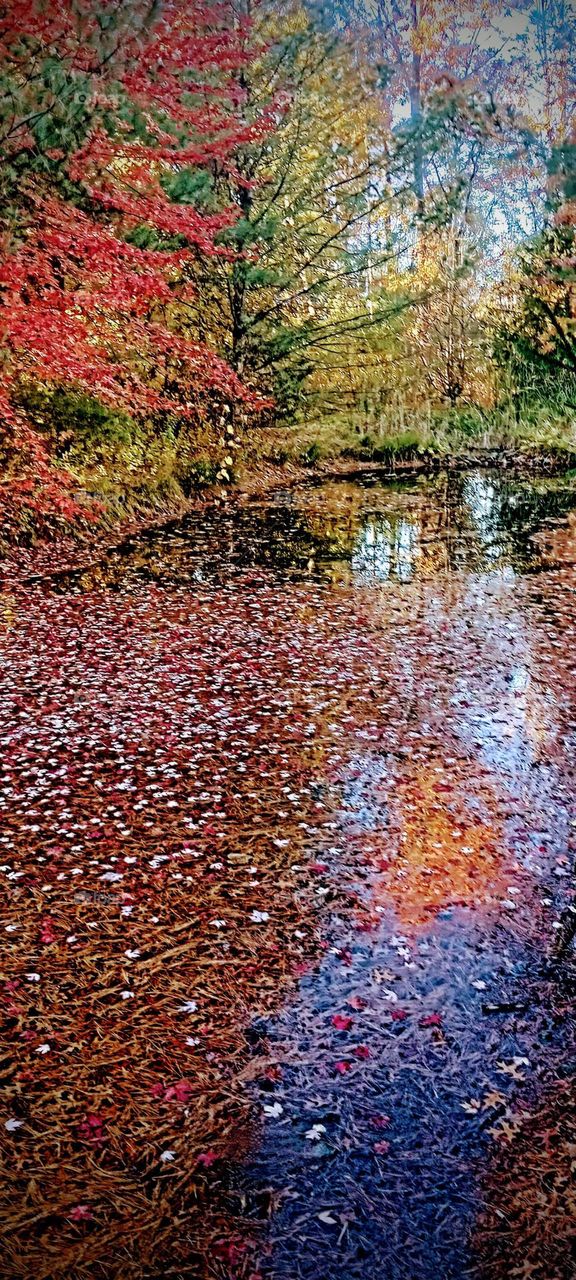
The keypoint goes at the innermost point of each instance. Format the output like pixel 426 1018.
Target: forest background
pixel 262 229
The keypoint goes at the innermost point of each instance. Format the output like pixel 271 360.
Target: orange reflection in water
pixel 441 851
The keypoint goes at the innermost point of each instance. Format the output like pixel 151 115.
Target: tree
pixel 535 318
pixel 336 200
pixel 97 112
pixel 554 29
pixel 313 195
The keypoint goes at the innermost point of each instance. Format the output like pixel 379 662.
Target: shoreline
pixel 74 552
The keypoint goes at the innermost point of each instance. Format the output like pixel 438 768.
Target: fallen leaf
pixel 342 1021
pixel 431 1020
pixel 81 1213
pixel 472 1107
pixel 207 1158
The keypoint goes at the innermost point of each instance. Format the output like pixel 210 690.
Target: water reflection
pixel 368 530
pixel 470 521
pixel 385 550
pixel 393 764
pixel 455 814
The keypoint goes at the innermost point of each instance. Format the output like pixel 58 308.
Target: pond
pixel 288 855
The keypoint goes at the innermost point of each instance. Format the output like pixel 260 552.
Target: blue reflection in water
pixel 484 504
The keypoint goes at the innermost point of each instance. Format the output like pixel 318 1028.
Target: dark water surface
pixel 362 530
pixel 366 692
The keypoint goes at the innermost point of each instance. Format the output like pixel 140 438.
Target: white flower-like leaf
pixel 315 1133
pixel 274 1109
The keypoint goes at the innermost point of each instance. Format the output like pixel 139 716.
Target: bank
pixel 260 471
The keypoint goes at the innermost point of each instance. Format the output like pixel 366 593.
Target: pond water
pixel 288 847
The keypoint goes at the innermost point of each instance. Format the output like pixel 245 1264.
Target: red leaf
pixel 47 934
pixel 207 1158
pixel 380 1121
pixel 179 1092
pixel 431 1020
pixel 343 1066
pixel 81 1213
pixel 91 1129
pixel 342 1021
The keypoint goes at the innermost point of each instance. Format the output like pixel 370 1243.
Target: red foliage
pixel 79 303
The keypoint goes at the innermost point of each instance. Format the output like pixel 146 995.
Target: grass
pixel 131 471
pixel 403 433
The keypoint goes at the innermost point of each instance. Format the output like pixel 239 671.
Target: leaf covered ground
pixel 287 850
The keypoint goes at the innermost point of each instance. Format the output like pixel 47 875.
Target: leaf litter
pixel 240 798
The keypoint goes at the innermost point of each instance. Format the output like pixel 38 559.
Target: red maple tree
pixel 100 105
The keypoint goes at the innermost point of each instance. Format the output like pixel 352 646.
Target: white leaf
pixel 315 1133
pixel 275 1109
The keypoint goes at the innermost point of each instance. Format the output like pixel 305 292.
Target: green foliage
pixel 534 341
pixel 191 186
pixel 312 454
pixel 74 419
pixel 117 460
